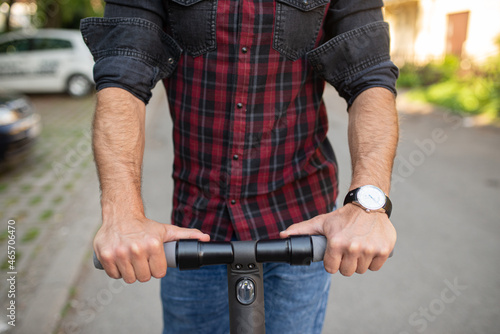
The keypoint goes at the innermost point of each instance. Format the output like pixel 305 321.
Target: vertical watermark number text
pixel 11 272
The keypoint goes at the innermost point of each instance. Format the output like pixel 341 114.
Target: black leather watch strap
pixel 388 206
pixel 352 197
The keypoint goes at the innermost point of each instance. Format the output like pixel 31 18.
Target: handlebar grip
pixel 319 247
pixel 97 263
pixel 170 253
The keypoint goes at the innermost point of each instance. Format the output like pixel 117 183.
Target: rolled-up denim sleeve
pixel 130 49
pixel 356 54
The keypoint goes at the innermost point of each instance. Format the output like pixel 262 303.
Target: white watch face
pixel 371 197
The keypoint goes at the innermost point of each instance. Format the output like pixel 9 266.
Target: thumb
pixel 174 233
pixel 309 227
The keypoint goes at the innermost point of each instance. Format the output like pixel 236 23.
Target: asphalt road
pixel 444 276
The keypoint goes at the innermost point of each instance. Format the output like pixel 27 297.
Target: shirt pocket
pixel 296 27
pixel 192 23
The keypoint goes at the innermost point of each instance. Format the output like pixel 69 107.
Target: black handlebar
pixel 193 254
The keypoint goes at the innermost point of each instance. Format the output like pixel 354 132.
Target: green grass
pixel 26 187
pixel 67 307
pixel 57 199
pixel 47 214
pixel 11 201
pixel 48 187
pixel 4 235
pixel 21 215
pixel 31 234
pixel 36 200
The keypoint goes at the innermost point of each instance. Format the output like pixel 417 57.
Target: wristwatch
pixel 370 198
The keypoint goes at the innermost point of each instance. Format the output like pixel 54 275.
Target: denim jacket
pixel 352 56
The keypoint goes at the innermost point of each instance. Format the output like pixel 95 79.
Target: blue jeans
pixel 195 301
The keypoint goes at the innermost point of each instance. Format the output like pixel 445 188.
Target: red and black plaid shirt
pixel 251 152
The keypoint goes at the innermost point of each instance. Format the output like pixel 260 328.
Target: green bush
pixel 475 90
pixel 412 75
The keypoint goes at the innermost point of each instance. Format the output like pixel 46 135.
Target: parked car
pixel 45 61
pixel 20 125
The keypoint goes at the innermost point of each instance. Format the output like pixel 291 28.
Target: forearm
pixel 128 245
pixel 118 143
pixel 373 133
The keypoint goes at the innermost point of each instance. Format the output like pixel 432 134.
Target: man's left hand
pixel 357 240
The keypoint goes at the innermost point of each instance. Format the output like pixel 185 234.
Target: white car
pixel 45 61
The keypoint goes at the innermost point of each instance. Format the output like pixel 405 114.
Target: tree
pixel 65 13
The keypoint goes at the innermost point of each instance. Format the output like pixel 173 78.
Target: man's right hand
pixel 128 245
pixel 134 250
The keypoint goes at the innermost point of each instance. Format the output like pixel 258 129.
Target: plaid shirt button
pixel 239 105
pixel 244 49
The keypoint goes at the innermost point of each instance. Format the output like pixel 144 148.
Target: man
pixel 244 79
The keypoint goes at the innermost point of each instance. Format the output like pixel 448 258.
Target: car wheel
pixel 78 85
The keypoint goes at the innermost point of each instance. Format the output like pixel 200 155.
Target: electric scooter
pixel 244 269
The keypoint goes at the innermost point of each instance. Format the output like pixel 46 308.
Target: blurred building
pixel 424 30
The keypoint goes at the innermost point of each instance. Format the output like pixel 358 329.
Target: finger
pixel 140 264
pixel 377 263
pixel 333 257
pixel 311 227
pixel 157 260
pixel 363 264
pixel 332 262
pixel 108 263
pixel 127 272
pixel 365 259
pixel 173 233
pixel 348 265
pixel 125 267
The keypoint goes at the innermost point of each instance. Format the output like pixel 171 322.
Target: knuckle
pixel 336 244
pixel 154 243
pixel 135 249
pixel 354 247
pixel 384 252
pixel 154 246
pixel 106 255
pixel 369 250
pixel 121 253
